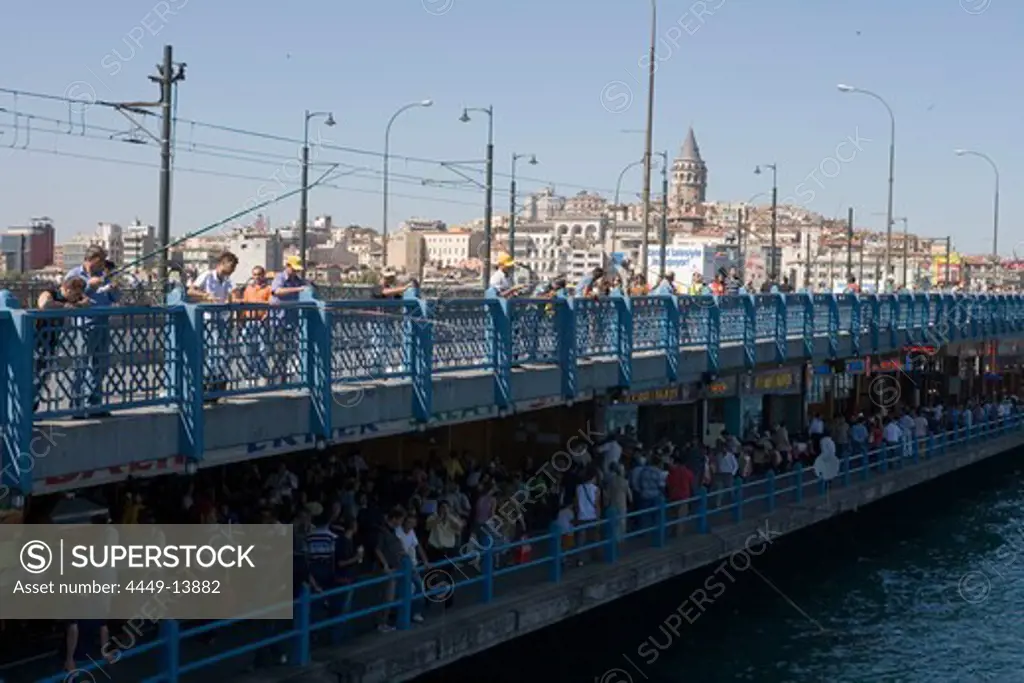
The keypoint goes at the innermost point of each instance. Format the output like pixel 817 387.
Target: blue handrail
pixel 605 538
pixel 70 363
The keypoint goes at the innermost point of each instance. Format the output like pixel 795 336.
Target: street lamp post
pixel 949 249
pixel 488 185
pixel 892 167
pixel 742 214
pixel 304 202
pixel 512 201
pixel 906 247
pixel 663 232
pixel 772 263
pixel 995 203
pixel 387 158
pixel 648 135
pixel 617 208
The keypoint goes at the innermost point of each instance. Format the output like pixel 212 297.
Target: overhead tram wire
pixel 244 156
pixel 463 165
pixel 235 176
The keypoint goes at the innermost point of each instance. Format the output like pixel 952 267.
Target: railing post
pixel 799 482
pixel 808 325
pixel 318 364
pixel 876 314
pixel 170 651
pixel 624 350
pixel 556 552
pixel 771 490
pixel 566 321
pixel 487 592
pixel 301 644
pixel 737 498
pixel 855 324
pixel 17 350
pixel 833 326
pixel 749 331
pixel 884 451
pixel 405 594
pixel 660 532
pixel 714 336
pixel 702 524
pixel 421 359
pixel 612 548
pixel 501 347
pixel 915 449
pixel 846 467
pixel 866 469
pixel 671 341
pixel 187 356
pixel 781 323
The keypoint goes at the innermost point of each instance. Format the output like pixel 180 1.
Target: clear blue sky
pixel 756 80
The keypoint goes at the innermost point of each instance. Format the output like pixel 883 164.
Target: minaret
pixel 689 177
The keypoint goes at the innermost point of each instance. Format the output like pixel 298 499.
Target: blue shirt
pixel 859 433
pixel 585 283
pixel 281 280
pixel 104 295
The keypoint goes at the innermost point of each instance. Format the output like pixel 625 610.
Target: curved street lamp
pixel 892 165
pixel 304 203
pixel 489 185
pixel 387 157
pixel 773 262
pixel 616 207
pixel 995 208
pixel 512 201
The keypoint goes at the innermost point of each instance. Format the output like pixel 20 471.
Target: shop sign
pixel 722 388
pixel 778 382
pixel 670 394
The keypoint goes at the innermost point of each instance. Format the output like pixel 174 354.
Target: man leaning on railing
pixel 101 291
pixel 215 287
pixel 501 278
pixel 70 294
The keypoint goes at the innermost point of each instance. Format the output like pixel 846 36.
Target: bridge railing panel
pixel 535 329
pixel 253 348
pixel 733 319
pixel 766 316
pixel 597 328
pixel 695 320
pixel 464 334
pixel 651 322
pixel 101 359
pixel 370 340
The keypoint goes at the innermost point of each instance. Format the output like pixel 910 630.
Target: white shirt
pixel 907 424
pixel 611 452
pixel 409 544
pixel 586 500
pixel 816 427
pixel 921 426
pixel 892 433
pixel 727 463
pixel 565 520
pixel 828 448
pixel 500 281
pixel 218 289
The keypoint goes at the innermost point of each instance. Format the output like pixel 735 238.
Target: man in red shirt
pixel 679 487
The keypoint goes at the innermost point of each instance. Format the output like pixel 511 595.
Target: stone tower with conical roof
pixel 689 178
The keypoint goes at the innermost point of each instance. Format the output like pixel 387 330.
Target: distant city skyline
pixel 764 92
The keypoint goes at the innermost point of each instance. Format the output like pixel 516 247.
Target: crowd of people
pixel 354 519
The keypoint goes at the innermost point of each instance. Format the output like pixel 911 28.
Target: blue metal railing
pixel 77 362
pixel 607 538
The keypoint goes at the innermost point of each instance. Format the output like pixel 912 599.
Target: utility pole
pixel 860 277
pixel 651 67
pixel 849 242
pixel 739 241
pixel 807 263
pixel 664 213
pixel 949 249
pixel 167 77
